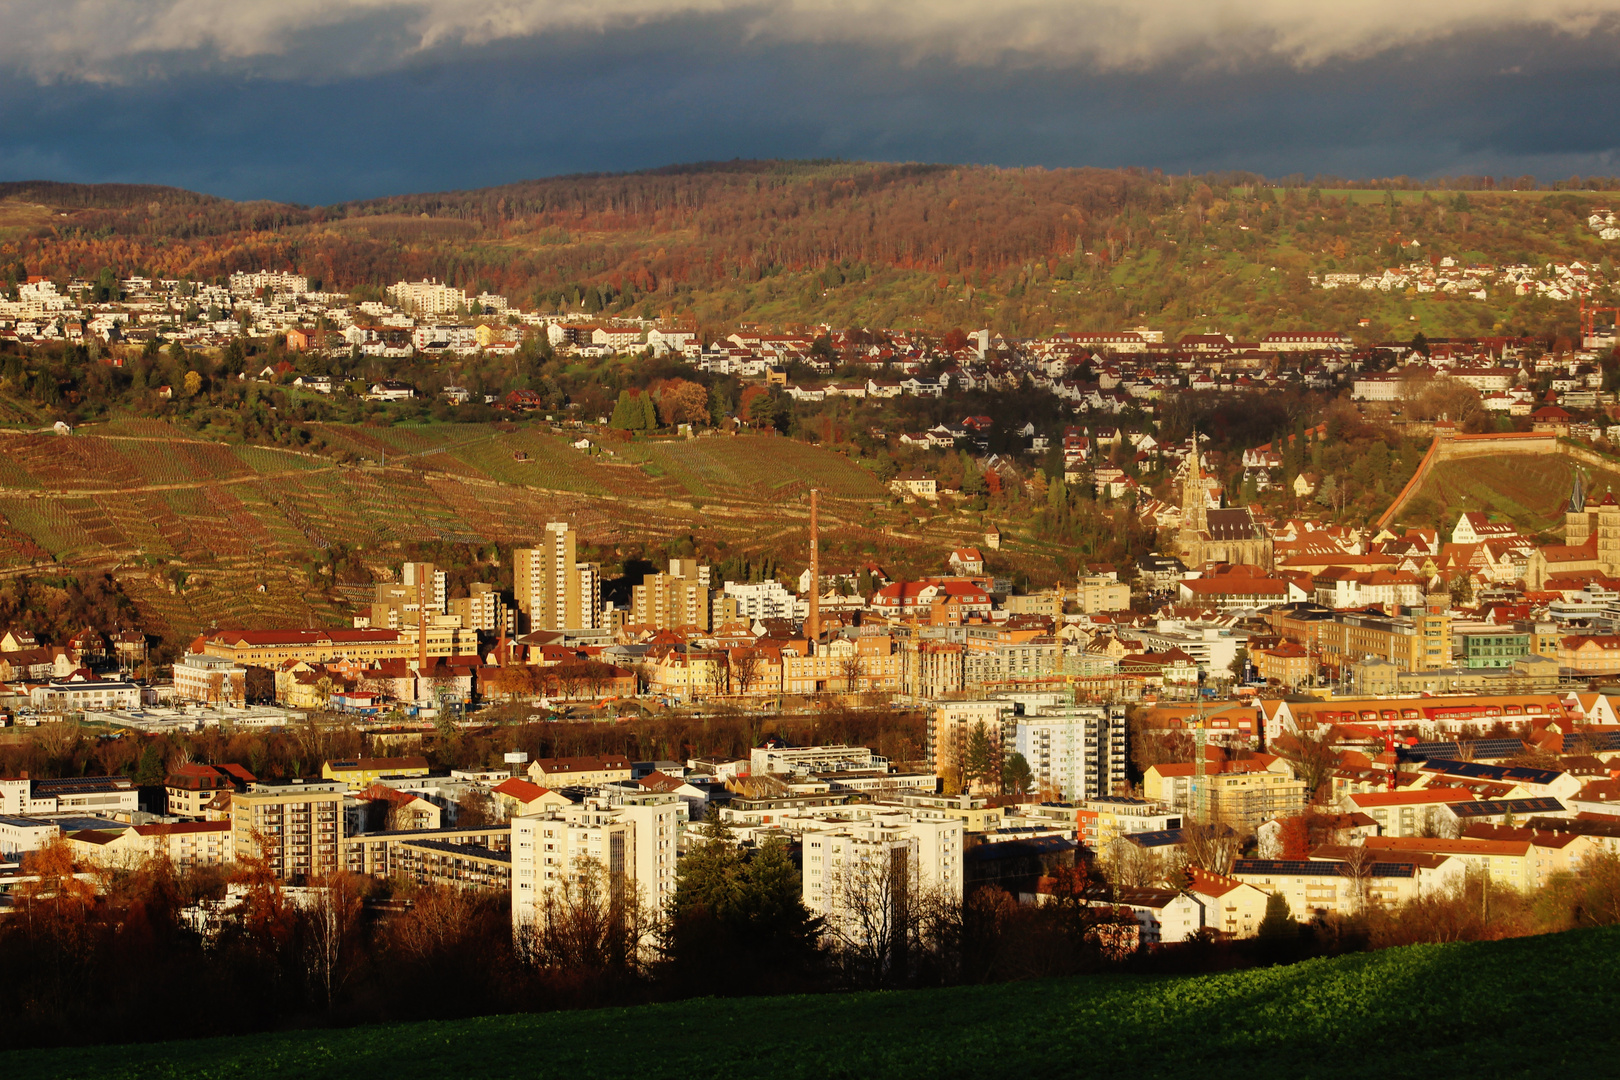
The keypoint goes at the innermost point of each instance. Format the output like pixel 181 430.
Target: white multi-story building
pixel 635 836
pixel 1075 752
pixel 77 693
pixel 866 877
pixel 1213 648
pixel 762 600
pixel 215 680
pixel 427 297
pixel 246 284
pixel 814 759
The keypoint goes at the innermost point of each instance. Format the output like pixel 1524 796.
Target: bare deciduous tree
pixel 719 674
pixel 1131 866
pixel 852 668
pixel 747 668
pixel 1210 847
pixel 329 923
pixel 592 919
pixel 874 915
pixel 1316 761
pixel 1358 868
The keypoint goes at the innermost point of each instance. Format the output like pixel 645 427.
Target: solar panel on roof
pixel 1476 749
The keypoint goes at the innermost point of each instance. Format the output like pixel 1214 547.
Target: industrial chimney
pixel 813 624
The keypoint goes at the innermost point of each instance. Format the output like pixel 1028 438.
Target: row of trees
pixel 55 750
pixel 152 953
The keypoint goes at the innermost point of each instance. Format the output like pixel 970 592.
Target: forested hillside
pixel 929 246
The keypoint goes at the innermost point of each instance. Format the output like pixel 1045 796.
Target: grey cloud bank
pixel 323 102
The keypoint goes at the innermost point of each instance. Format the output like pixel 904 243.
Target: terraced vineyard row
pixel 540 459
pixel 49 524
pixel 83 462
pixel 262 459
pixel 1531 490
pixel 141 427
pixel 752 467
pixel 239 519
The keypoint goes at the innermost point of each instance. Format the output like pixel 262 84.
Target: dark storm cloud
pixel 281 115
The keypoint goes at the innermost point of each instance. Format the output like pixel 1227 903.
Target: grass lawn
pixel 1531 1007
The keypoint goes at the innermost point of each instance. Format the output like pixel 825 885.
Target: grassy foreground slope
pixel 1538 1006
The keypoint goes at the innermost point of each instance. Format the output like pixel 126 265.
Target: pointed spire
pixel 1577 496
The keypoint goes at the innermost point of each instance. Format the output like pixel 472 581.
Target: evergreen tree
pixel 628 413
pixel 972 479
pixel 979 759
pixel 1278 921
pixel 739 921
pixel 1016 777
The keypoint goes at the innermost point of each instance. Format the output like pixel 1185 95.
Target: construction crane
pixel 1589 314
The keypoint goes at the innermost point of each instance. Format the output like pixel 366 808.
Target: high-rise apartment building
pixel 1074 752
pixel 634 840
pixel 298 827
pixel 678 598
pixel 552 588
pixel 483 609
pixel 395 603
pixel 866 877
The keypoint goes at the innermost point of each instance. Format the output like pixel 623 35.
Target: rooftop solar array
pixel 1591 742
pixel 1319 868
pixel 1495 749
pixel 1493 807
pixel 1475 770
pixel 76 785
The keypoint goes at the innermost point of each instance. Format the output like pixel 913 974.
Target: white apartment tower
pixel 860 874
pixel 636 837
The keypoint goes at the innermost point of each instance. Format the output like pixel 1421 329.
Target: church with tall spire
pixel 1217 534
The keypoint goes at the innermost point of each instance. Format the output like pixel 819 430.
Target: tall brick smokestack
pixel 813 624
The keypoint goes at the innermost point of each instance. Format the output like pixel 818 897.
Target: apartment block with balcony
pixel 296 827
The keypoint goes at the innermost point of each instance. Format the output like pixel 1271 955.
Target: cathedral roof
pixel 1231 524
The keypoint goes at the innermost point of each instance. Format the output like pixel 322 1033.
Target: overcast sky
pixel 317 101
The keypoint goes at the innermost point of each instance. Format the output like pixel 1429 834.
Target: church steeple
pixel 1194 496
pixel 1577 495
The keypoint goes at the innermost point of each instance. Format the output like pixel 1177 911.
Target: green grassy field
pixel 1531 1007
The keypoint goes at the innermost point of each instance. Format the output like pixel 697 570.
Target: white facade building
pixel 427 297
pixel 78 694
pixel 211 679
pixel 1075 752
pixel 762 600
pixel 860 875
pixel 636 837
